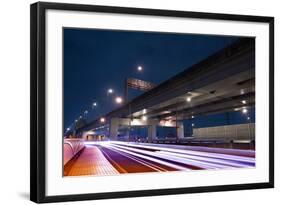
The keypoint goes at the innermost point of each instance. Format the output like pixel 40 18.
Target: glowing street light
pixel 110 91
pixel 188 99
pixel 140 68
pixel 95 104
pixel 102 119
pixel 68 129
pixel 144 111
pixel 244 110
pixel 192 116
pixel 144 118
pixel 118 100
pixel 244 102
pixel 248 118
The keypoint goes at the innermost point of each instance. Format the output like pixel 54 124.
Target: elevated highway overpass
pixel 224 81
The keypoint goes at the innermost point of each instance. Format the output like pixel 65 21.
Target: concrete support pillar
pixel 84 135
pixel 113 128
pixel 151 133
pixel 180 130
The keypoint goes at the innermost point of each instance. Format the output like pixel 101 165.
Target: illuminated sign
pixel 139 84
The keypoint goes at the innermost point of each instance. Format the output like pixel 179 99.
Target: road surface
pixel 110 158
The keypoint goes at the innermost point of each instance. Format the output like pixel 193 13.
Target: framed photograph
pixel 129 102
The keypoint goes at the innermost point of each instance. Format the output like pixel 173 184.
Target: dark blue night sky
pixel 95 60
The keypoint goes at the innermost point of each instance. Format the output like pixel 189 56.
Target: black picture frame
pixel 38 97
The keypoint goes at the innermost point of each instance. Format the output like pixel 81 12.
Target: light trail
pixel 191 152
pixel 148 158
pixel 129 157
pixel 191 160
pixel 216 163
pixel 154 167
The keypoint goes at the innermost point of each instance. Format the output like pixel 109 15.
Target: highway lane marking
pixel 113 161
pixel 137 160
pixel 152 159
pixel 157 168
pixel 148 163
pixel 191 162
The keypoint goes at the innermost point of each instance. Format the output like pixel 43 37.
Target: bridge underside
pixel 223 82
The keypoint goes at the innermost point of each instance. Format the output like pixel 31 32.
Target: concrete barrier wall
pixel 226 133
pixel 70 148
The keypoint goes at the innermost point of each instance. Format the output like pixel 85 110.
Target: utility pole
pixel 129 105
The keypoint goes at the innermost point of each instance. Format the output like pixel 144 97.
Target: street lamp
pixel 144 118
pixel 244 110
pixel 110 91
pixel 102 119
pixel 140 68
pixel 144 111
pixel 118 100
pixel 95 104
pixel 188 99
